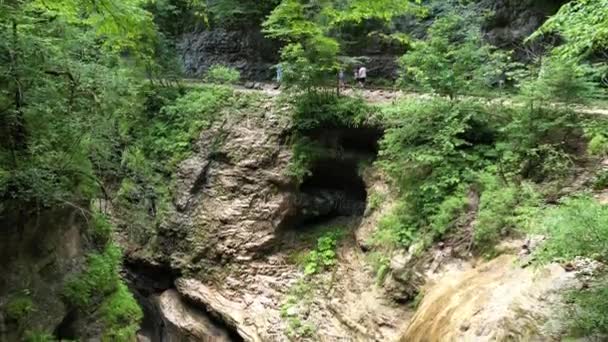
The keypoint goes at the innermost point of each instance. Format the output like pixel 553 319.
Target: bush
pixel 121 315
pixel 99 279
pixel 561 80
pixel 448 213
pixel 221 74
pixel 304 154
pixel 102 228
pixel 598 145
pixel 577 227
pixel 590 314
pixel 38 336
pixel 19 307
pixel 170 136
pixel 315 109
pixel 324 256
pixel 396 228
pixel 539 143
pixel 431 150
pixel 503 209
pixel 453 59
pixel 375 200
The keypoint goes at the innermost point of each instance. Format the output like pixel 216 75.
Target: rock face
pixel 185 323
pixel 233 194
pixel 495 301
pixel 37 256
pixel 246 50
pixel 238 221
pixel 510 22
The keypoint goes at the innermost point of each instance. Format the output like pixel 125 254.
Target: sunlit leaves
pixel 584 26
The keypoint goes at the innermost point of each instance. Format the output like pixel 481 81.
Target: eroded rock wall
pixel 39 252
pixel 508 24
pixel 246 50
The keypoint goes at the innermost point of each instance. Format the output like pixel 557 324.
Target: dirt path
pixel 380 96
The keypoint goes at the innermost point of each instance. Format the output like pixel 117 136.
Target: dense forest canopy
pixel 95 108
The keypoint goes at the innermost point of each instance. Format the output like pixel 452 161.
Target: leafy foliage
pixel 310 57
pixel 99 279
pixel 561 80
pixel 304 154
pixel 590 314
pixel 19 307
pixel 453 59
pixel 503 209
pixel 584 26
pixel 426 166
pixel 37 336
pixel 121 315
pixel 324 109
pixel 577 227
pixel 324 256
pixel 300 295
pixel 221 74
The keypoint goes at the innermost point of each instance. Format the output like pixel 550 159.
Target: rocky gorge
pixel 224 266
pixel 465 201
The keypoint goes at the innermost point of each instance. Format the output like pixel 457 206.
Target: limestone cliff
pixel 507 25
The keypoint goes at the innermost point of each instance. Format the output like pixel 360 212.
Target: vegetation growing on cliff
pixel 91 108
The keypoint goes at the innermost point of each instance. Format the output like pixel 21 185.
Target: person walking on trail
pixel 362 76
pixel 341 78
pixel 279 75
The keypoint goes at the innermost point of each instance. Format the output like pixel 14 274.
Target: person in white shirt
pixel 362 76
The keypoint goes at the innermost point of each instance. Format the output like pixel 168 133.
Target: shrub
pixel 431 150
pixel 576 227
pixel 448 213
pixel 222 74
pixel 304 154
pixel 324 256
pixel 539 143
pixel 38 336
pixel 314 109
pixel 453 59
pixel 396 228
pixel 380 264
pixel 596 130
pixel 99 279
pixel 102 228
pixel 170 135
pixel 601 180
pixel 121 315
pixel 375 200
pixel 561 80
pixel 590 314
pixel 20 307
pixel 598 145
pixel 503 209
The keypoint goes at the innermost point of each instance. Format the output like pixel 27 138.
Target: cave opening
pixel 335 186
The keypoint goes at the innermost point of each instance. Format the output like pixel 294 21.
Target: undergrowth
pixel 100 289
pixel 578 227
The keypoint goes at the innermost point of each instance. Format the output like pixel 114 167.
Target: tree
pixel 453 58
pixel 308 28
pixel 584 26
pixel 63 85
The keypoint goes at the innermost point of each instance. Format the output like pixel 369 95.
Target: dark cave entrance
pixel 335 186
